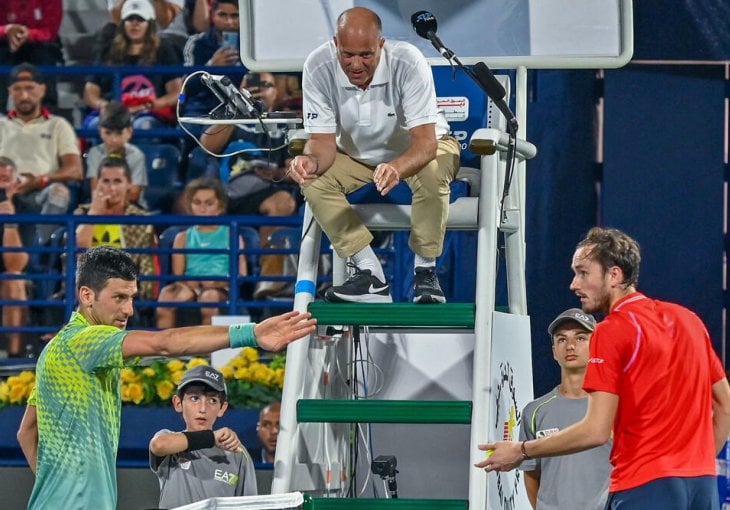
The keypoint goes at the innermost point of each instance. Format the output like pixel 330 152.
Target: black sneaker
pixel 361 287
pixel 427 288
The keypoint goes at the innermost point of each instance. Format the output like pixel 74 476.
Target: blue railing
pixel 45 259
pixel 54 264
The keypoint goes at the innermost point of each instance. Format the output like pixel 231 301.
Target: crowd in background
pixel 46 167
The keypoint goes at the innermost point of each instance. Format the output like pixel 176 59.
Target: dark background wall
pixel 663 171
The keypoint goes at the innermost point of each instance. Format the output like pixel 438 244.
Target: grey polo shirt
pixel 188 477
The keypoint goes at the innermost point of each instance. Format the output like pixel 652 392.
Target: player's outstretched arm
pixel 273 334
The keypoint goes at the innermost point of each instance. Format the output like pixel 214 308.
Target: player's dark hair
pixel 102 263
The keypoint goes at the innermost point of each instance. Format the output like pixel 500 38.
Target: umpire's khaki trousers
pixel 430 186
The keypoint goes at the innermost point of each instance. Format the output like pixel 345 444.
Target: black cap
pixel 25 72
pixel 206 375
pixel 576 315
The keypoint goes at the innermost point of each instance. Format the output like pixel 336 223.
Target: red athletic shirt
pixel 657 357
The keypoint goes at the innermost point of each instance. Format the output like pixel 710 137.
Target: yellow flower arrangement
pixel 250 382
pixel 16 388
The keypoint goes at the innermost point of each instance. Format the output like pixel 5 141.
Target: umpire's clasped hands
pixel 304 169
pixel 385 177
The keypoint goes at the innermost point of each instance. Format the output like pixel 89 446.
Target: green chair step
pixel 446 315
pixel 384 411
pixel 374 504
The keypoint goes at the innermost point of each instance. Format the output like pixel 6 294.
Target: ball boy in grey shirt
pixel 567 482
pixel 199 462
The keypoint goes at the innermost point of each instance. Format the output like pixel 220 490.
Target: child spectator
pixel 199 462
pixel 203 197
pixel 115 129
pixel 257 183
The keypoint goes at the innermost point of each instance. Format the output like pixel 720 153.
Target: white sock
pixel 366 259
pixel 428 262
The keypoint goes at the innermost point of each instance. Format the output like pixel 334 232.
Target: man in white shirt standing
pixel 370 110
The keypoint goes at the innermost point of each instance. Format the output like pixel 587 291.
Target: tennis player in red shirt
pixel 653 381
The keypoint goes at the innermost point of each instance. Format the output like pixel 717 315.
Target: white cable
pixel 368 458
pixel 200 144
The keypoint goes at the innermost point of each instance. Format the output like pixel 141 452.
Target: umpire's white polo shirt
pixel 372 124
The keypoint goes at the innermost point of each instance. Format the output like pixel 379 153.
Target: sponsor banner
pixel 511 369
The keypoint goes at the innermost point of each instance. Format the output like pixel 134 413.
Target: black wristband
pixel 200 440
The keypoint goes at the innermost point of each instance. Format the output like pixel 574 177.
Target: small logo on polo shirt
pixel 546 432
pixel 595 360
pixel 222 476
pixel 391 114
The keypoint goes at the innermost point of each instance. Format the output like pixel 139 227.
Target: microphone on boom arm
pixel 425 25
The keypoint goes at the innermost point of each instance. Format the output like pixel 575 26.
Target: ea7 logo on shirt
pixel 546 433
pixel 222 476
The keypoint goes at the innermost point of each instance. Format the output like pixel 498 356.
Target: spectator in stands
pixel 370 109
pixel 267 429
pixel 77 395
pixel 29 33
pixel 211 49
pixel 257 182
pixel 44 147
pixel 150 98
pixel 568 482
pixel 12 263
pixel 110 198
pixel 203 197
pixel 169 16
pixel 115 129
pixel 199 462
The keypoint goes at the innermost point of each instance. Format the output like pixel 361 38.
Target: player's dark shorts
pixel 672 493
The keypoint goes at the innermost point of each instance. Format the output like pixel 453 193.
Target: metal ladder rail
pixel 491 144
pixel 488 142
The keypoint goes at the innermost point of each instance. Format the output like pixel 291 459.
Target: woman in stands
pixel 110 197
pixel 150 98
pixel 203 197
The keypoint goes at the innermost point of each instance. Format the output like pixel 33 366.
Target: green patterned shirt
pixel 78 405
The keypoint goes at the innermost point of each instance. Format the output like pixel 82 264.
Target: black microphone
pixel 229 94
pixel 495 90
pixel 425 25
